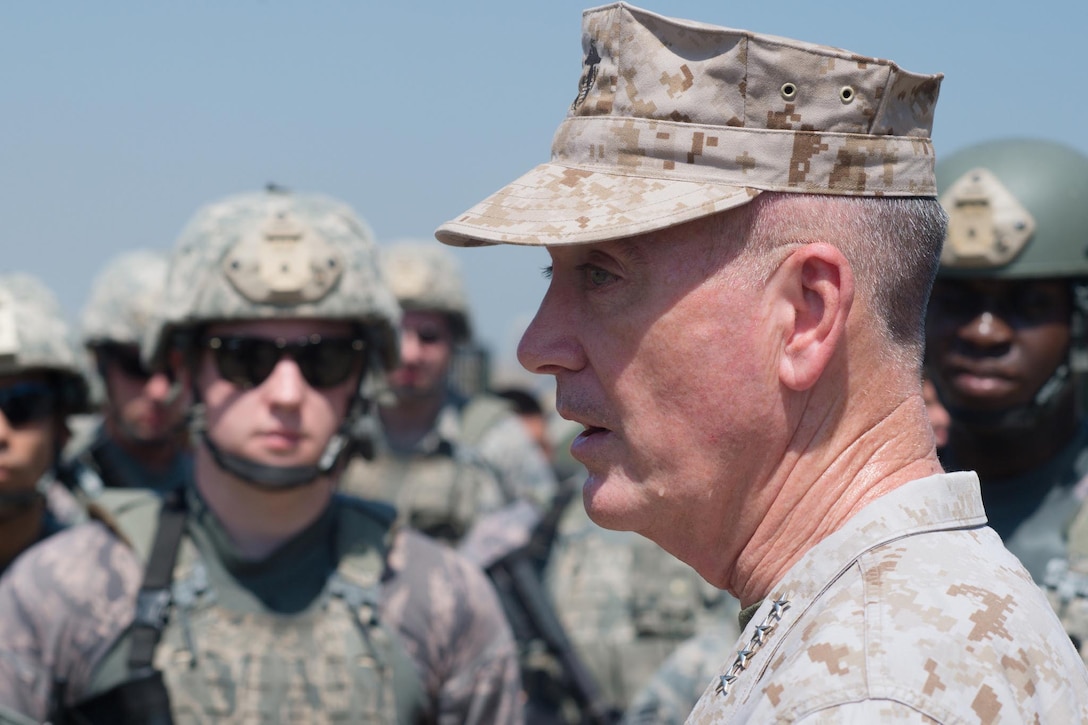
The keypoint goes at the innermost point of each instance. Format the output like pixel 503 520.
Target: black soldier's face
pixel 993 343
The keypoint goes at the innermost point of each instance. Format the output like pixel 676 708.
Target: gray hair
pixel 893 245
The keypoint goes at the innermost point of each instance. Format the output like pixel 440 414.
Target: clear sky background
pixel 119 119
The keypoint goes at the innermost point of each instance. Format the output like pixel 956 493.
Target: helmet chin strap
pixel 355 435
pixel 276 478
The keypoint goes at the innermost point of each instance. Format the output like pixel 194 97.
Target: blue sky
pixel 121 118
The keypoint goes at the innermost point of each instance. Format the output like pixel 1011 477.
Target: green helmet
pixel 1017 209
pixel 425 276
pixel 123 298
pixel 276 255
pixel 35 337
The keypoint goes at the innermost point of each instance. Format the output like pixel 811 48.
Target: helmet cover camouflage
pixel 34 336
pixel 276 255
pixel 124 297
pixel 675 120
pixel 425 276
pixel 1017 208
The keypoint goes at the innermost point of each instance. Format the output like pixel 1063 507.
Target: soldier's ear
pixel 814 290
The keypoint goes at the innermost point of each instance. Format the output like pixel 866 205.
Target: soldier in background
pixel 442 459
pixel 142 438
pixel 41 384
pixel 265 596
pixel 1007 337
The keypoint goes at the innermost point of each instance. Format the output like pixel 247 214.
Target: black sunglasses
pixel 248 361
pixel 24 403
pixel 127 359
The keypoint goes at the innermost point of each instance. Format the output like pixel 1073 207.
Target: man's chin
pixel 605 504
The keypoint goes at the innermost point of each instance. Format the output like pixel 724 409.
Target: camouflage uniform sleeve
pixel 866 711
pixel 672 692
pixel 518 462
pixel 453 627
pixel 62 605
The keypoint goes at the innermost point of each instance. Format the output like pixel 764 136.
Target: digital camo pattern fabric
pixel 35 336
pixel 64 608
pixel 912 612
pixel 627 604
pixel 674 120
pixel 517 461
pixel 272 255
pixel 439 486
pixel 672 691
pixel 426 276
pixel 124 297
pixel 477 458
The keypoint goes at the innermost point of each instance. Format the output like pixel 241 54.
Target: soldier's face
pixel 994 343
pixel 283 420
pixel 426 348
pixel 660 355
pixel 139 401
pixel 28 432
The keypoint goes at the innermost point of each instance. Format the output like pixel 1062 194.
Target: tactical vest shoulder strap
pixel 364 532
pixel 153 600
pixel 479 415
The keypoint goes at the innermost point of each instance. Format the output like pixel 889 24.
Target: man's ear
pixel 814 289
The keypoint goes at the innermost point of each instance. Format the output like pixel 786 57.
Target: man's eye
pixel 596 276
pixel 546 272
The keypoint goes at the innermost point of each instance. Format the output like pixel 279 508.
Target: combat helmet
pixel 1018 209
pixel 425 276
pixel 123 299
pixel 119 310
pixel 277 255
pixel 34 336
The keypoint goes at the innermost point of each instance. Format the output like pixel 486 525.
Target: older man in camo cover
pixel 442 459
pixel 142 439
pixel 41 384
pixel 264 596
pixel 744 231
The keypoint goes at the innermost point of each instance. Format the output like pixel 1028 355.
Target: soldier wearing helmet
pixel 142 438
pixel 1007 341
pixel 258 592
pixel 41 384
pixel 443 459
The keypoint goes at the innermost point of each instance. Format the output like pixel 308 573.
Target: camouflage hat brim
pixel 675 120
pixel 551 205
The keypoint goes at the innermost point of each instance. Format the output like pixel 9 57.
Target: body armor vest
pixel 334 661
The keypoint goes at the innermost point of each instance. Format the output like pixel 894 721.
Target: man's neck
pixel 156 456
pixel 817 492
pixel 19 532
pixel 1000 454
pixel 259 521
pixel 407 422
